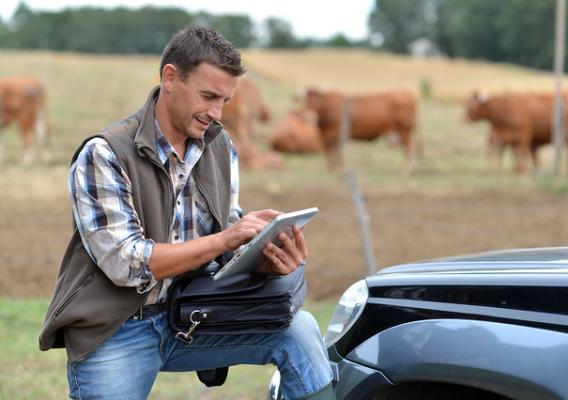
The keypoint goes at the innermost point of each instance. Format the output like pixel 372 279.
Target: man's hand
pixel 247 228
pixel 285 259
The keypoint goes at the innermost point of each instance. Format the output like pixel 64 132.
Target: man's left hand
pixel 285 259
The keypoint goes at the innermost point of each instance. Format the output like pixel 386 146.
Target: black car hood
pixel 522 261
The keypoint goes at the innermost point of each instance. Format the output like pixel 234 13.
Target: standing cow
pixel 522 121
pixel 22 101
pixel 371 115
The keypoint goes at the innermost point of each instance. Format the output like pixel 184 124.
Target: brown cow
pixel 22 101
pixel 522 121
pixel 297 132
pixel 241 116
pixel 372 116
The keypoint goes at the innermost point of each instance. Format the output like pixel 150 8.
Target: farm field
pixel 455 202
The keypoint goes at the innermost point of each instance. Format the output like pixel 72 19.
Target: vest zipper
pixel 75 293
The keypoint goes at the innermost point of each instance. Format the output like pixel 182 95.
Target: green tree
pixel 526 32
pixel 5 35
pixel 400 22
pixel 339 40
pixel 516 31
pixel 279 33
pixel 239 29
pixel 468 29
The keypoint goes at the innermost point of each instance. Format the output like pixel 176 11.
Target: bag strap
pixel 213 377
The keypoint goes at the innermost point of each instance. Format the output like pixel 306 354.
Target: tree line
pixel 515 31
pixel 139 31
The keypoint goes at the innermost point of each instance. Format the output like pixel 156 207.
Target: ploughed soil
pixel 405 226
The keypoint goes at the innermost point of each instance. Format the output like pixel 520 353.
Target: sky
pixel 318 19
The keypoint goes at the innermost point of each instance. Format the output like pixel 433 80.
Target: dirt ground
pixel 404 226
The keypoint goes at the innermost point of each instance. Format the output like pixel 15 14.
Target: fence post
pixel 356 195
pixel 558 117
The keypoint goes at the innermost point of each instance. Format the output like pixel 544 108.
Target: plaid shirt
pixel 103 209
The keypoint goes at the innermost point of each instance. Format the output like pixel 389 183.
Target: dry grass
pixel 362 71
pixel 87 92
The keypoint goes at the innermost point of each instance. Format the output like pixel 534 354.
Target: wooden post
pixel 362 215
pixel 345 130
pixel 558 117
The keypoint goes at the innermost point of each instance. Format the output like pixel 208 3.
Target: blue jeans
pixel 126 365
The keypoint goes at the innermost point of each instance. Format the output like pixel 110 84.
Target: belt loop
pixel 141 313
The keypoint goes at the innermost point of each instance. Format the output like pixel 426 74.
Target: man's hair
pixel 191 46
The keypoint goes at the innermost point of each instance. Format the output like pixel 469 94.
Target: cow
pixel 241 116
pixel 519 120
pixel 297 132
pixel 22 102
pixel 371 116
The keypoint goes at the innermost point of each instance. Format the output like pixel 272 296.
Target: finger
pixel 278 266
pixel 266 215
pixel 290 248
pixel 248 234
pixel 300 241
pixel 287 263
pixel 251 223
pixel 252 219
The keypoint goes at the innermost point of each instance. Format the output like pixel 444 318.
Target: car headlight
pixel 348 309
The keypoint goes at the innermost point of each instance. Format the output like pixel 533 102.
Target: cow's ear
pixel 299 95
pixel 479 97
pixel 482 97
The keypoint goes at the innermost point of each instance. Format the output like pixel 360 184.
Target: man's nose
pixel 216 111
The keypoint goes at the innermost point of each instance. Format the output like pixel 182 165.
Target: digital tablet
pixel 250 256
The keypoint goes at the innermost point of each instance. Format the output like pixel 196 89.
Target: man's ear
pixel 169 75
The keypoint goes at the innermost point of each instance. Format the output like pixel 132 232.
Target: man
pixel 153 196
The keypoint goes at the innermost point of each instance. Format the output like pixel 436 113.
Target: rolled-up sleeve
pixel 101 199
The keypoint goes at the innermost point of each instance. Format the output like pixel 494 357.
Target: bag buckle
pixel 195 319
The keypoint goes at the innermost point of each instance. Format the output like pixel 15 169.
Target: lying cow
pixel 241 116
pixel 372 116
pixel 22 101
pixel 522 121
pixel 297 132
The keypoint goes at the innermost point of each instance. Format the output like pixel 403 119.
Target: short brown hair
pixel 191 46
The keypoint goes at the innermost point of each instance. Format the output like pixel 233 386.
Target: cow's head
pixel 313 98
pixel 310 98
pixel 474 106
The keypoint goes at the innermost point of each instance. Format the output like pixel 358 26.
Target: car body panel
pixel 516 361
pixel 359 380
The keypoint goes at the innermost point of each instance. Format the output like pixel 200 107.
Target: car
pixel 488 326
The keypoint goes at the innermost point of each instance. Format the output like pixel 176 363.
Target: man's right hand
pixel 247 228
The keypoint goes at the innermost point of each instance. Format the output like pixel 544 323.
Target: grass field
pixel 454 202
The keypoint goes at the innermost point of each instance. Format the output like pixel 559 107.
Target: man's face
pixel 195 103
